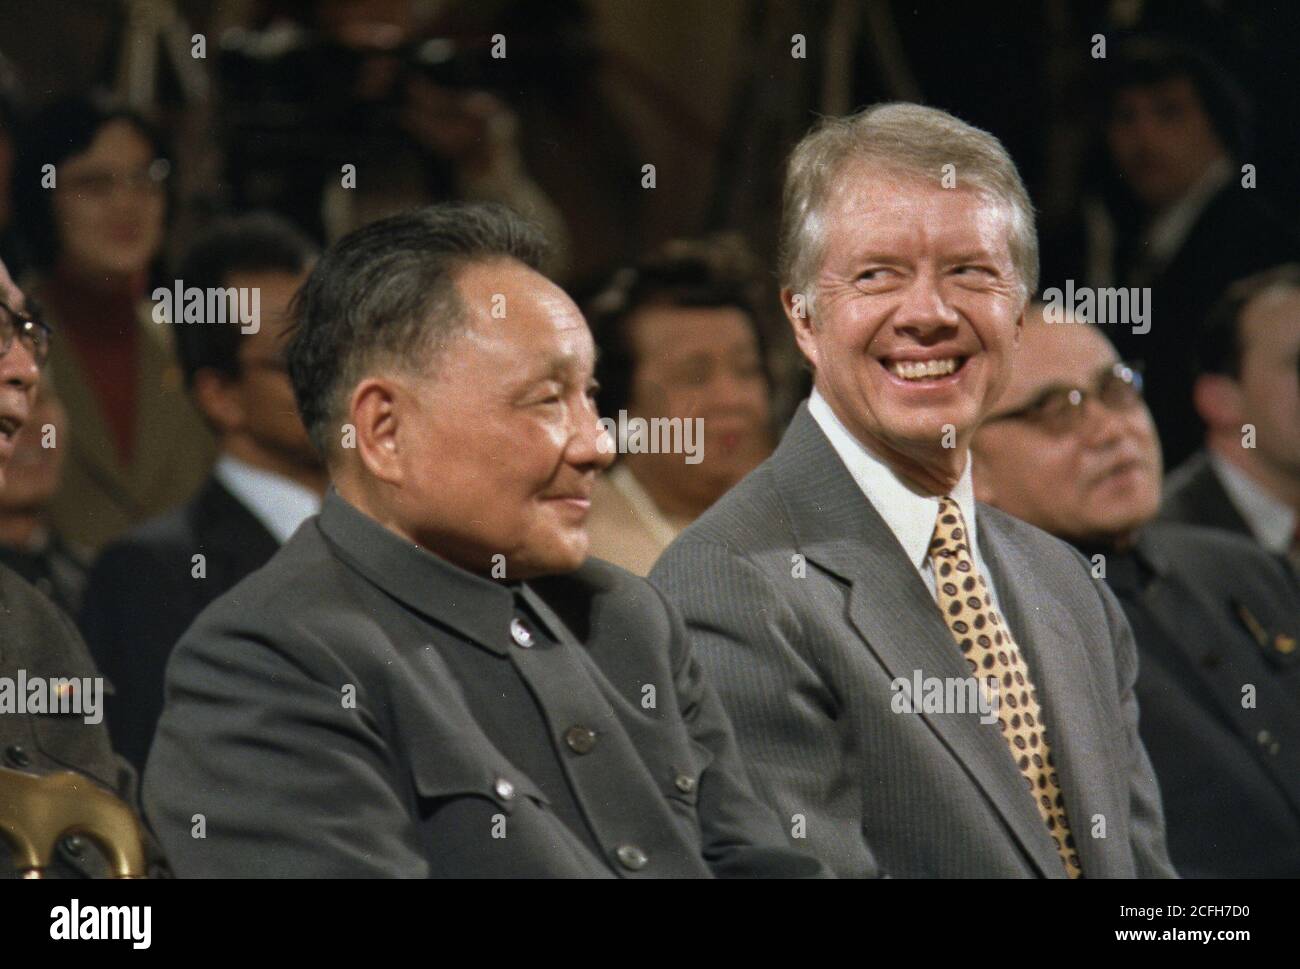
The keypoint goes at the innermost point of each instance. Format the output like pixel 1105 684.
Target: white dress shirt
pixel 1271 521
pixel 280 504
pixel 910 515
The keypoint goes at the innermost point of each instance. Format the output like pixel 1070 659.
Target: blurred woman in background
pixel 91 200
pixel 680 339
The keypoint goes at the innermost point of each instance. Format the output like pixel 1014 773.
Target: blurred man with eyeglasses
pixel 1071 447
pixel 149 586
pixel 38 641
pixel 30 543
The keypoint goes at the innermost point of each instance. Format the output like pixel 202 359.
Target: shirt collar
pixel 1168 231
pixel 1271 521
pixel 475 607
pixel 280 504
pixel 909 514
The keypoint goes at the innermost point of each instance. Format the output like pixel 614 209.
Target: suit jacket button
pixel 73 845
pixel 18 756
pixel 505 790
pixel 631 857
pixel 520 634
pixel 685 783
pixel 580 739
pixel 1264 738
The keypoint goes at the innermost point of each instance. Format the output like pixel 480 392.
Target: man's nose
pixel 589 443
pixel 18 367
pixel 1101 426
pixel 924 308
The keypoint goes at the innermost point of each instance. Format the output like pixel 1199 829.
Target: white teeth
pixel 923 369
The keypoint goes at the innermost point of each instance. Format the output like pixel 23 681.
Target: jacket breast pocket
pixel 488 819
pixel 438 779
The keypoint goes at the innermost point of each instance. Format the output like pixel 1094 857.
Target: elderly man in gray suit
pixel 920 684
pixel 431 678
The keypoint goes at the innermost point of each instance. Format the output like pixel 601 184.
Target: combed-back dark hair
pixel 52 136
pixel 1219 347
pixel 255 243
pixel 385 295
pixel 710 273
pixel 1144 61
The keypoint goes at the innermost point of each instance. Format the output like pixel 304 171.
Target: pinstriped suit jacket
pixel 805 608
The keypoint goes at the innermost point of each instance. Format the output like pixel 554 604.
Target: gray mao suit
pixel 804 608
pixel 360 707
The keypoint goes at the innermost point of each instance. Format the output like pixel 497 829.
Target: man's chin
pixel 559 556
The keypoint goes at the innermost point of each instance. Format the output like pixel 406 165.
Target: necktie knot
pixel 949 538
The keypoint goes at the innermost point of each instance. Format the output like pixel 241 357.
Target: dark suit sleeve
pixel 1146 815
pixel 745 636
pixel 129 620
pixel 742 836
pixel 257 746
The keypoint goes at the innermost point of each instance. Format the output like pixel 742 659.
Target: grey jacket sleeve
pixel 747 640
pixel 742 836
pixel 259 770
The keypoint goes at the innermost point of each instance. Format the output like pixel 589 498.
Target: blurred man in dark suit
pixel 1247 479
pixel 38 642
pixel 1072 449
pixel 428 679
pixel 919 683
pixel 1180 217
pixel 149 586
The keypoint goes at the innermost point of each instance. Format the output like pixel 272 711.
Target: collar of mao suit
pixel 477 608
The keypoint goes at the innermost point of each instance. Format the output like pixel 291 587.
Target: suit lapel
pixel 157 387
pixel 236 541
pixel 895 615
pixel 91 440
pixel 1217 657
pixel 1068 697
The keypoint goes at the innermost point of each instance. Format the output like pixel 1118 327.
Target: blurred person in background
pixel 1247 478
pixel 1177 214
pixel 446 583
pixel 1071 447
pixel 360 83
pixel 29 543
pixel 10 113
pixel 144 591
pixel 95 223
pixel 680 339
pixel 37 640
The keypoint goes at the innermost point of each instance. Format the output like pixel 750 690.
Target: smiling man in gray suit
pixel 430 678
pixel 855 563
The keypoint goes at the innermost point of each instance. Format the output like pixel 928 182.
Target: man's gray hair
pixel 905 139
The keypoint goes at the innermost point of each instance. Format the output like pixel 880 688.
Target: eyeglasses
pixel 28 327
pixel 100 184
pixel 1059 410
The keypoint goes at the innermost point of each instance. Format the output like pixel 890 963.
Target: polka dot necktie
pixel 986 643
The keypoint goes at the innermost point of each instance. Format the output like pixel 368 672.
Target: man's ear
pixel 798 312
pixel 374 410
pixel 1217 399
pixel 215 397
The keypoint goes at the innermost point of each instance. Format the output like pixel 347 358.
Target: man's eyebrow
pixel 555 366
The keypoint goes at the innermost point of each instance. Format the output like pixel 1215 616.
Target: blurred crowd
pixel 161 453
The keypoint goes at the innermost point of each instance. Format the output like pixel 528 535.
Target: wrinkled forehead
pixel 868 205
pixel 516 310
pixel 1067 353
